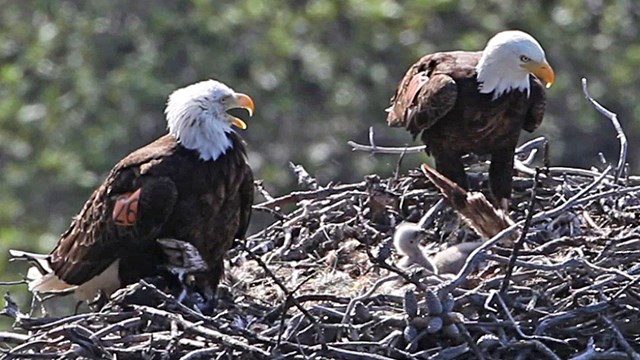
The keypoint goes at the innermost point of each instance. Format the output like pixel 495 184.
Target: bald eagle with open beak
pixel 193 184
pixel 462 102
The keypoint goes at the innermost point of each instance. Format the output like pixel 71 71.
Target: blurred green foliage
pixel 82 83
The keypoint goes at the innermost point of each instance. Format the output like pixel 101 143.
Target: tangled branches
pixel 322 281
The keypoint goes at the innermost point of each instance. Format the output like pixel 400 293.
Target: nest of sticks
pixel 322 280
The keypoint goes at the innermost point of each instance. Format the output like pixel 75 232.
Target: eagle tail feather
pixel 47 283
pixel 40 276
pixel 40 262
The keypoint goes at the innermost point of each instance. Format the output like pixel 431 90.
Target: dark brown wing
pixel 538 104
pixel 94 240
pixel 246 202
pixel 425 95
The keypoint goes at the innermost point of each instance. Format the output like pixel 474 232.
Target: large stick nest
pixel 321 282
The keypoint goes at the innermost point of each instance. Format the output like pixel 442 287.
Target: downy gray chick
pixel 406 240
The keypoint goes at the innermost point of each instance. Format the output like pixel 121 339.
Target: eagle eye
pixel 524 58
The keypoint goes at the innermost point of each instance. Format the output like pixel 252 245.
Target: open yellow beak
pixel 543 71
pixel 242 101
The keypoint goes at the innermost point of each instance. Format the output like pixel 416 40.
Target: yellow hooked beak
pixel 242 101
pixel 543 71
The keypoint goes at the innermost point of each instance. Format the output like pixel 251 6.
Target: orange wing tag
pixel 125 211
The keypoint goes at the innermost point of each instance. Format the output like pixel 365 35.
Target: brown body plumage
pixel 207 203
pixel 201 195
pixel 439 98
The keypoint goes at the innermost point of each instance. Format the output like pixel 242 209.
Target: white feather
pixel 107 281
pixel 499 69
pixel 198 119
pixel 43 280
pixel 46 283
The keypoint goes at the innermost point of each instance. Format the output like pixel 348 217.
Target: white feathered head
pixel 507 61
pixel 197 116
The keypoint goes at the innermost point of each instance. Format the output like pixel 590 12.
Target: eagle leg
pixel 450 165
pixel 501 176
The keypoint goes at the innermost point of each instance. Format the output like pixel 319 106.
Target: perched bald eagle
pixel 193 184
pixel 476 102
